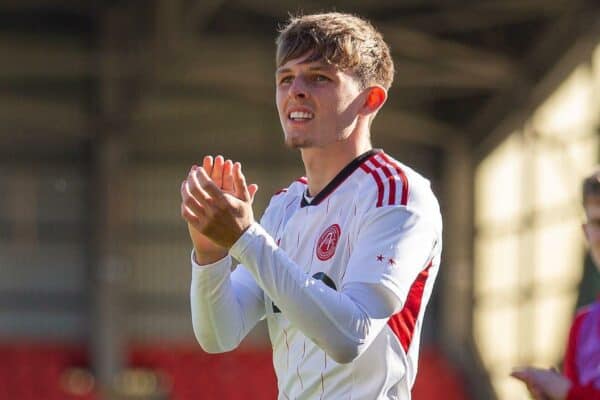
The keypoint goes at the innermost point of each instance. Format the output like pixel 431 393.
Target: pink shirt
pixel 582 358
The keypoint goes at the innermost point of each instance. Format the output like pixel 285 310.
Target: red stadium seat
pixel 33 371
pixel 437 378
pixel 37 371
pixel 194 374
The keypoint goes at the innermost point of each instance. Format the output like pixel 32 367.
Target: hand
pixel 207 251
pixel 543 384
pixel 217 205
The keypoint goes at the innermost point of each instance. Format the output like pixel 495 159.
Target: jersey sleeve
pixel 393 246
pixel 588 392
pixel 225 305
pixel 570 366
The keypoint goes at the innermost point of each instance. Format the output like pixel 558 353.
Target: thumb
pixel 252 189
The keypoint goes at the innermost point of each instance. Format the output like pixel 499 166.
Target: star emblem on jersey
pixel 328 242
pixel 380 258
pixel 391 261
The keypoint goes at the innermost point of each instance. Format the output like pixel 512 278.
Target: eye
pixel 285 79
pixel 321 78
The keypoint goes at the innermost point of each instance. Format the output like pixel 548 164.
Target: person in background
pixel 581 376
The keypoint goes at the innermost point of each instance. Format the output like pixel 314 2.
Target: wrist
pixel 206 258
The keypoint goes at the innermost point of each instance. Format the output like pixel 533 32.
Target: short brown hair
pixel 344 40
pixel 591 185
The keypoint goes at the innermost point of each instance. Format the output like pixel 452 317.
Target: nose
pixel 298 89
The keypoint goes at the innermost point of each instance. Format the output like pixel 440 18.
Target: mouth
pixel 300 116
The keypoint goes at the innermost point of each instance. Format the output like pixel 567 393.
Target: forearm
pixel 223 311
pixel 336 321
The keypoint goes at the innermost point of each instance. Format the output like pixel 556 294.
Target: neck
pixel 322 164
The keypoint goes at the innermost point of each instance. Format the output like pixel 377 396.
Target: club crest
pixel 328 242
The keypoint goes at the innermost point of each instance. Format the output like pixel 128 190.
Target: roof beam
pixel 178 19
pixel 574 36
pixel 484 15
pixel 33 118
pixel 21 5
pixel 199 12
pixel 423 61
pixel 24 57
pixel 462 62
pixel 414 127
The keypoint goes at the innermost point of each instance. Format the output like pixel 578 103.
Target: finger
pixel 518 374
pixel 196 191
pixel 207 164
pixel 194 201
pixel 533 392
pixel 208 186
pixel 227 176
pixel 537 393
pixel 194 208
pixel 239 182
pixel 522 372
pixel 188 215
pixel 217 171
pixel 525 377
pixel 192 169
pixel 252 189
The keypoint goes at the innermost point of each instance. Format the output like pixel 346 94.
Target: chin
pixel 297 142
pixel 291 145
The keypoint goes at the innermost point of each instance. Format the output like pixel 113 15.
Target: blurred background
pixel 104 106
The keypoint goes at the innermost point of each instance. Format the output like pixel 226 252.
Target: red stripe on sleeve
pixel 377 181
pixel 390 179
pixel 401 175
pixel 403 323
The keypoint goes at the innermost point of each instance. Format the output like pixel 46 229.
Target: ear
pixel 374 100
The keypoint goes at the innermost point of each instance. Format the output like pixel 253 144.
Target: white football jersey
pixel 376 222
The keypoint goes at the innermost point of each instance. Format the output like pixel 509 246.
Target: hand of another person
pixel 543 384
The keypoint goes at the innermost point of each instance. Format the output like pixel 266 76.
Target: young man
pixel 581 380
pixel 343 261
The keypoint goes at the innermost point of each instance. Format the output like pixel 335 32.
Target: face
pixel 318 104
pixel 592 227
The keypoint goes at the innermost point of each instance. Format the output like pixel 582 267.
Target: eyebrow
pixel 324 68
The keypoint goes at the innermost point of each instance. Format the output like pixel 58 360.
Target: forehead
pixel 306 61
